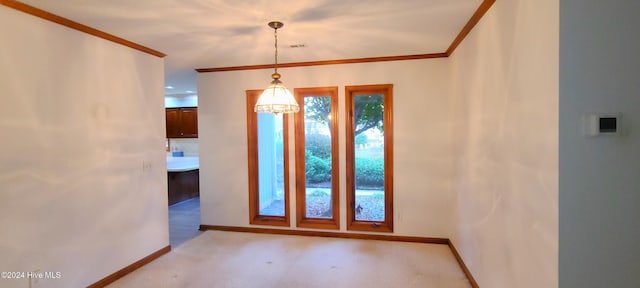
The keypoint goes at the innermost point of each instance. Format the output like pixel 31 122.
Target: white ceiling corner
pixel 221 33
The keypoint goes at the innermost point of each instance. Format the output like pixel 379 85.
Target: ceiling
pixel 222 33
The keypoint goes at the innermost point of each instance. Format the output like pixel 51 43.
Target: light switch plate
pixel 603 124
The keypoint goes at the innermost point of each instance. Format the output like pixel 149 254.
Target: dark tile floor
pixel 184 221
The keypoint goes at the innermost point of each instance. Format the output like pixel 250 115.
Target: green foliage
pixel 317 108
pixel 362 139
pixel 368 111
pixel 317 170
pixel 318 193
pixel 318 145
pixel 370 172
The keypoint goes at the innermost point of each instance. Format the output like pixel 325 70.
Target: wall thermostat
pixel 602 124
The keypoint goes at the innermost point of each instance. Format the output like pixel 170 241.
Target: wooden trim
pixel 484 7
pixel 466 271
pixel 415 239
pixel 301 219
pixel 252 154
pixel 77 26
pixel 325 62
pixel 388 156
pixel 252 149
pixel 126 270
pixel 350 93
pixel 285 154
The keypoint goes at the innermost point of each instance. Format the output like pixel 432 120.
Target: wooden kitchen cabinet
pixel 183 185
pixel 182 122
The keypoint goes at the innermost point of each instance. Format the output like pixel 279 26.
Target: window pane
pixel 270 164
pixel 369 157
pixel 317 140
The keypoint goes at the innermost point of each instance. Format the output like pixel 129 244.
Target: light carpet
pixel 236 259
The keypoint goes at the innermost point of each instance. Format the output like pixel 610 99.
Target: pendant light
pixel 276 98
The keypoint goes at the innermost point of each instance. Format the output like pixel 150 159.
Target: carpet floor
pixel 236 259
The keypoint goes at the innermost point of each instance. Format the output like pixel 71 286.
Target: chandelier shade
pixel 276 98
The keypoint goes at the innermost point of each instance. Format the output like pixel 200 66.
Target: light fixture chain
pixel 276 98
pixel 275 34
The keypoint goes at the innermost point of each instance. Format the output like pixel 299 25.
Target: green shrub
pixel 318 193
pixel 370 172
pixel 318 145
pixel 317 170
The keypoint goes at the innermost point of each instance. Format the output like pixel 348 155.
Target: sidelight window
pixel 369 158
pixel 268 165
pixel 316 134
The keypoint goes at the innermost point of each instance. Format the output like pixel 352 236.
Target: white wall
pixel 78 117
pixel 505 96
pixel 422 175
pixel 599 177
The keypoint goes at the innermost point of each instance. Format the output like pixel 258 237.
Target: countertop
pixel 181 164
